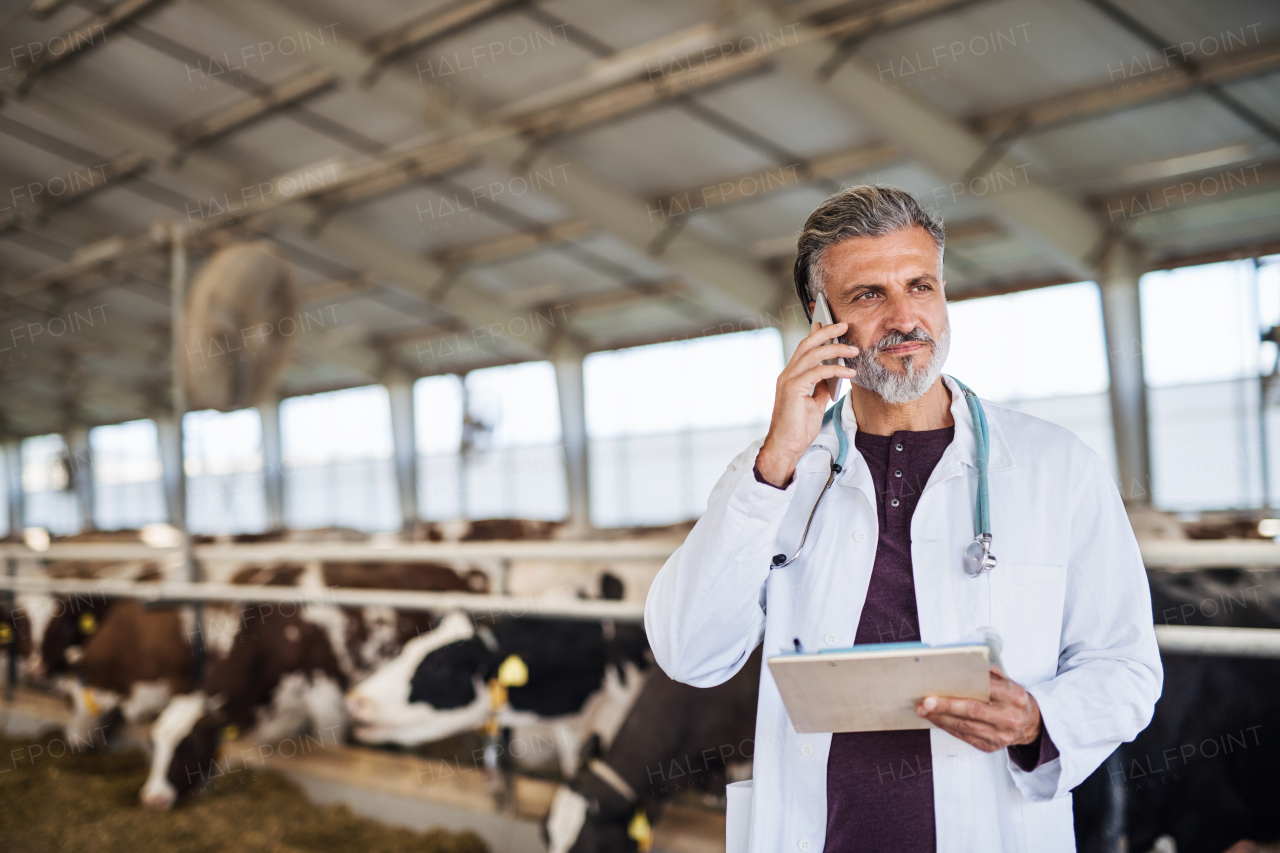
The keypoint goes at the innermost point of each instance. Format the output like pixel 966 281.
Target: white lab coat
pixel 1069 597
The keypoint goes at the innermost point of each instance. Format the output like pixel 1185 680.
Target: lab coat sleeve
pixel 704 614
pixel 1109 672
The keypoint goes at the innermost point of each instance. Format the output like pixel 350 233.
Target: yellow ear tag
pixel 513 672
pixel 6 634
pixel 89 702
pixel 230 733
pixel 88 623
pixel 639 830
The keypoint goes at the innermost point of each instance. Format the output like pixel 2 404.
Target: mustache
pixel 892 339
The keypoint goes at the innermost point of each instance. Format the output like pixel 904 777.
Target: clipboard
pixel 876 687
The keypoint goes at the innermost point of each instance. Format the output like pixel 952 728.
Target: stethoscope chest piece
pixel 978 557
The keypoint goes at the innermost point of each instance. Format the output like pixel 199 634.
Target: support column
pixel 1122 319
pixel 175 471
pixel 13 486
pixel 573 426
pixel 77 441
pixel 173 477
pixel 272 463
pixel 405 441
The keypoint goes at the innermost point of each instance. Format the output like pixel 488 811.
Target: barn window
pixel 128 490
pixel 338 460
pixel 511 444
pixel 664 420
pixel 224 472
pixel 1202 357
pixel 1048 360
pixel 50 501
pixel 437 418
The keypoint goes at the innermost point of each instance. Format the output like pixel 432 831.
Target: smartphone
pixel 822 313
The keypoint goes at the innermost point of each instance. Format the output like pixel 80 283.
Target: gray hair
pixel 864 211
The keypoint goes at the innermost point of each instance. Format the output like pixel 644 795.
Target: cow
pixel 487 530
pixel 573 679
pixel 278 677
pixel 1203 772
pixel 115 659
pixel 375 635
pixel 15 641
pixel 675 738
pixel 282 669
pixel 132 665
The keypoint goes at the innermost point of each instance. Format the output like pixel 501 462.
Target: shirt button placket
pixel 898 447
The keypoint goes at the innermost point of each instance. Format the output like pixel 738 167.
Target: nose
pixel 360 706
pixel 900 314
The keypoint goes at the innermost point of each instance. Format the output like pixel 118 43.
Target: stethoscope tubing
pixel 982 507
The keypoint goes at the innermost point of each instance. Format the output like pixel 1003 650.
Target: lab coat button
pixel 804 844
pixel 860 536
pixel 832 639
pixel 806 749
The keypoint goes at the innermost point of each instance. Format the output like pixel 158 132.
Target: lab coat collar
pixel 963 448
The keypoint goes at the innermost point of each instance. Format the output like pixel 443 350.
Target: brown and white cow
pixel 281 670
pixel 133 664
pixel 279 677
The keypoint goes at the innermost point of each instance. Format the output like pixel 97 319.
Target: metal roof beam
pixel 727 281
pixel 412 35
pixel 1050 220
pixel 296 89
pixel 469 305
pixel 89 35
pixel 730 189
pixel 1129 91
pixel 748 186
pixel 502 248
pixel 1178 191
pixel 626 82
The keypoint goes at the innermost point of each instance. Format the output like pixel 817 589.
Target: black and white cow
pixel 675 738
pixel 1204 772
pixel 578 679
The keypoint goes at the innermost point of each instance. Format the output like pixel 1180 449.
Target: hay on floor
pixel 55 799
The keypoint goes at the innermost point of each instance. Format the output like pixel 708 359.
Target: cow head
pixel 67 632
pixel 184 748
pixel 432 690
pixel 590 816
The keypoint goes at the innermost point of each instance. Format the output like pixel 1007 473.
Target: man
pixel 882 563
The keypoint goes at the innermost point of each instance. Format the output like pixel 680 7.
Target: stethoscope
pixel 977 555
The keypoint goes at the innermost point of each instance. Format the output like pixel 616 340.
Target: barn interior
pixel 467 305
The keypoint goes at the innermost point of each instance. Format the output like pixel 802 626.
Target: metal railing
pixel 1173 555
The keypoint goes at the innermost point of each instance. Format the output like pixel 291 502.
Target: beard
pixel 913 381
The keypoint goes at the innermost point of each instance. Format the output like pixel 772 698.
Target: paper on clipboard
pixel 877 687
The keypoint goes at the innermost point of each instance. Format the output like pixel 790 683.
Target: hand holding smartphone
pixel 822 313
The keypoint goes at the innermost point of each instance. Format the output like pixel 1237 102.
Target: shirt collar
pixel 963 447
